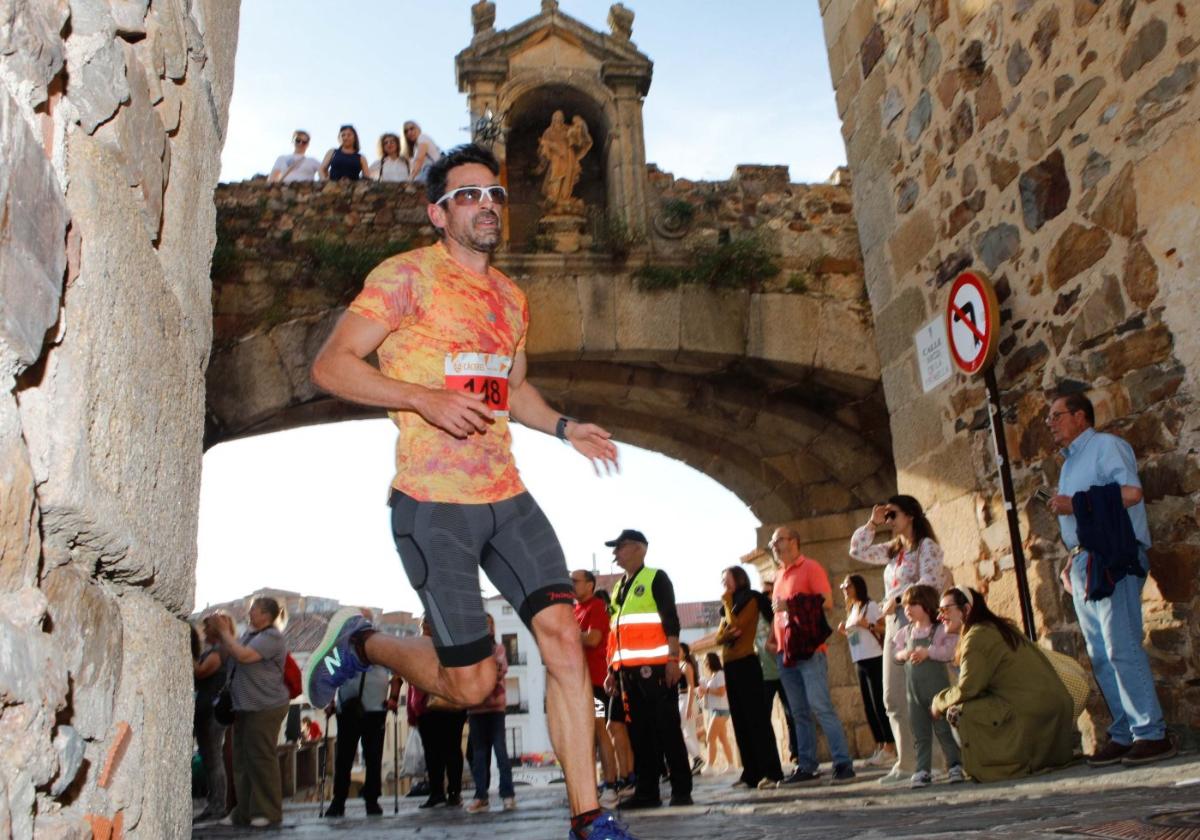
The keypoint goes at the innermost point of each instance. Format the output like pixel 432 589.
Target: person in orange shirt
pixel 806 682
pixel 449 332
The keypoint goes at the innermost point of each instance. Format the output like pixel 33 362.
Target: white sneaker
pixel 608 796
pixel 895 776
pixel 920 779
pixel 259 822
pixel 882 758
pixel 510 803
pixel 228 820
pixel 956 774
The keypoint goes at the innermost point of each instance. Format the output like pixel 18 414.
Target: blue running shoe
pixel 606 827
pixel 334 660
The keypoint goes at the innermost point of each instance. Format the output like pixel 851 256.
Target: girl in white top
pixel 716 702
pixel 393 160
pixel 912 556
pixel 863 629
pixel 425 152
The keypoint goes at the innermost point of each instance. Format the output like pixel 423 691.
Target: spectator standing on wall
pixel 392 165
pixel 912 556
pixel 298 167
pixel 425 153
pixel 345 163
pixel 1099 475
pixel 260 703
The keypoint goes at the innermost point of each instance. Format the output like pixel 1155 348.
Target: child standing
pixel 925 647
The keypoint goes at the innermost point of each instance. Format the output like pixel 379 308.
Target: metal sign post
pixel 972 324
pixel 996 416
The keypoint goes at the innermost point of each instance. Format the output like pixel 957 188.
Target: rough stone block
pixel 555 327
pixel 713 322
pixel 20 541
pixel 647 322
pixel 912 242
pixel 1078 249
pixel 33 254
pixel 115 424
pixel 155 685
pixel 87 621
pixel 784 328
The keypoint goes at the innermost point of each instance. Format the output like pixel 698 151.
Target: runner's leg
pixel 525 562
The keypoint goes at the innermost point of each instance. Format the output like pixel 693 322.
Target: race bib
pixel 480 373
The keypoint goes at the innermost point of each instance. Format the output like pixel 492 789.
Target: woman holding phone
pixel 910 557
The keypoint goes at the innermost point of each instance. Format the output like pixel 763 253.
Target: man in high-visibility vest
pixel 644 643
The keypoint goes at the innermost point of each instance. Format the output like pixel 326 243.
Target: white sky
pixel 304 510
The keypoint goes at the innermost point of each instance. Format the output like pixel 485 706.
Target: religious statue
pixel 560 150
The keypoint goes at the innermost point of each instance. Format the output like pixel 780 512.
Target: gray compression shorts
pixel 443 546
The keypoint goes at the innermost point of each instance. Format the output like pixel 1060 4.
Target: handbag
pixel 223 712
pixel 1074 678
pixel 414 756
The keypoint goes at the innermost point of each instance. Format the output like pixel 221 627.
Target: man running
pixel 449 332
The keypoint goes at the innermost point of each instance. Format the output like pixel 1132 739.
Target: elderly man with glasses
pixel 298 167
pixel 1111 623
pixel 449 333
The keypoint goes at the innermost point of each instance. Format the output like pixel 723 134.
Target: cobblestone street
pixel 1077 802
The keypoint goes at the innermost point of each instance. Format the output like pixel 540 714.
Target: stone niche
pixel 527 119
pixel 552 62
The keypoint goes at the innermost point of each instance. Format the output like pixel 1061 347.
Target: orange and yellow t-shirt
pixel 450 328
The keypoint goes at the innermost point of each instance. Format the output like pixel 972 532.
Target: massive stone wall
pixel 1053 145
pixel 112 118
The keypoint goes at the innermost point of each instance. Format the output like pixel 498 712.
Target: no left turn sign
pixel 972 322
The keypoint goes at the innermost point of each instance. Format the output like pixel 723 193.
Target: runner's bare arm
pixel 340 369
pixel 527 407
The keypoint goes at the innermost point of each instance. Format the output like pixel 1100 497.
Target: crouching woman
pixel 1010 711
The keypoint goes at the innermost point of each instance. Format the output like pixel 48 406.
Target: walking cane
pixel 396 762
pixel 324 761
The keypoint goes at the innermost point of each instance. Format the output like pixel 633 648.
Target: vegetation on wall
pixel 744 263
pixel 613 236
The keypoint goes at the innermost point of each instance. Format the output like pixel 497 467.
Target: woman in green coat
pixel 1011 712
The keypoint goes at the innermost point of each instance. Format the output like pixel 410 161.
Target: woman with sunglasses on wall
pixel 864 620
pixel 912 556
pixel 392 165
pixel 345 163
pixel 1010 709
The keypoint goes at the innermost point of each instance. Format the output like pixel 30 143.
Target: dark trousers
pixel 441 736
pixel 369 728
pixel 655 732
pixel 485 735
pixel 755 739
pixel 870 682
pixel 771 688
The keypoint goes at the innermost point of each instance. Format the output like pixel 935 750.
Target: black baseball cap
pixel 628 535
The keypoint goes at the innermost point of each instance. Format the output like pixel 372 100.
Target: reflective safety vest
pixel 637 636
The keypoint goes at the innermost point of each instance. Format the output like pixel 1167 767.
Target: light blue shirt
pixel 1097 458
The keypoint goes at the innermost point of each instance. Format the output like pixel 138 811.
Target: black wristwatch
pixel 560 430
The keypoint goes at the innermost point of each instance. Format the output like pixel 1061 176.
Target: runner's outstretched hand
pixel 459 413
pixel 595 444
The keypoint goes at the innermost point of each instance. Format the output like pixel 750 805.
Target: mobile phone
pixel 1043 495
